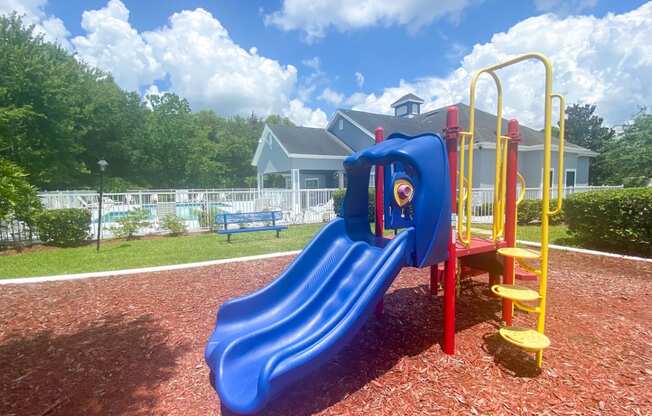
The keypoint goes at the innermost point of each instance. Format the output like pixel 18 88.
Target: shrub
pixel 130 224
pixel 338 200
pixel 18 199
pixel 64 227
pixel 529 212
pixel 174 225
pixel 618 220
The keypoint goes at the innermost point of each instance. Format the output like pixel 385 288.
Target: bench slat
pixel 252 229
pixel 247 217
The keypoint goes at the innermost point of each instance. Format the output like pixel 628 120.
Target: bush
pixel 130 224
pixel 338 200
pixel 64 227
pixel 529 212
pixel 174 225
pixel 617 220
pixel 18 199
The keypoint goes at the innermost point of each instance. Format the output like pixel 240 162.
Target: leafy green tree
pixel 59 116
pixel 18 199
pixel 628 158
pixel 584 127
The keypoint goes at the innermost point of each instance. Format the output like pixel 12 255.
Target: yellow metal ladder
pixel 529 300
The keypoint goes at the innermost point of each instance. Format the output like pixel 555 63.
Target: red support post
pixel 379 229
pixel 450 266
pixel 510 212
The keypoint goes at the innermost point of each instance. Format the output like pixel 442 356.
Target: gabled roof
pixel 435 122
pixel 391 124
pixel 309 141
pixel 485 126
pixel 406 98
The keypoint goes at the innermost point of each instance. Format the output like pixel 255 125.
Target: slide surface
pixel 266 340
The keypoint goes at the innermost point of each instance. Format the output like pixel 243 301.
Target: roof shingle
pixel 309 141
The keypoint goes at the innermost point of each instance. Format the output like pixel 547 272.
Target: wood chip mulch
pixel 134 346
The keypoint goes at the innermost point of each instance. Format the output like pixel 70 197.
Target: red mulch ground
pixel 134 346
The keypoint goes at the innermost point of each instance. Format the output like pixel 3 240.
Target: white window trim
pixel 310 180
pixel 552 180
pixel 401 110
pixel 340 124
pixel 574 177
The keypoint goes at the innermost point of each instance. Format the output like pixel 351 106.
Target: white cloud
pixel 33 13
pixel 359 79
pixel 113 45
pixel 205 66
pixel 315 17
pixel 332 97
pixel 198 59
pixel 606 61
pixel 301 115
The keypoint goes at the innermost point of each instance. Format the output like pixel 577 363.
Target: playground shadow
pixel 411 324
pixel 108 366
pixel 511 359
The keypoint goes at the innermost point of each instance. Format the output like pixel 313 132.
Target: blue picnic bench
pixel 245 218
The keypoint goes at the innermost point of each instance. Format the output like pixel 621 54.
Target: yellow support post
pixel 527 339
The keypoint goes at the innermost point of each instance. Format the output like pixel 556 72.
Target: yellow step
pixel 519 253
pixel 528 339
pixel 513 292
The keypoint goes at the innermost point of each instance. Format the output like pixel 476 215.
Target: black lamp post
pixel 103 164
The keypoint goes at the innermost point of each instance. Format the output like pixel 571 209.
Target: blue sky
pixel 307 54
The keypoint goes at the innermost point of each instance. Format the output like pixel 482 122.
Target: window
pixel 552 177
pixel 312 183
pixel 570 178
pixel 402 110
pixel 340 124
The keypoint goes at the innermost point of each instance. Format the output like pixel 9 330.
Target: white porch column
pixel 340 179
pixel 296 188
pixel 260 182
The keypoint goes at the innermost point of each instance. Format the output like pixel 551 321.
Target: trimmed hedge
pixel 64 227
pixel 338 200
pixel 529 212
pixel 616 220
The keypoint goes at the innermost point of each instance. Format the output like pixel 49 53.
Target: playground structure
pixel 267 340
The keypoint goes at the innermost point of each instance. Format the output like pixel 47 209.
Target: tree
pixel 59 116
pixel 628 158
pixel 584 127
pixel 18 199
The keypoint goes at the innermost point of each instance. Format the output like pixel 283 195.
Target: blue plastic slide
pixel 265 341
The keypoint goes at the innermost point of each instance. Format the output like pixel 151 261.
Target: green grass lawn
pixel 157 251
pixel 120 254
pixel 558 233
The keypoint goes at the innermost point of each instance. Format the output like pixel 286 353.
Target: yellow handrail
pixel 547 148
pixel 560 155
pixel 521 180
pixel 500 190
pixel 464 207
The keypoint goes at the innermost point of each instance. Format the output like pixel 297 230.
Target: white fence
pixel 197 208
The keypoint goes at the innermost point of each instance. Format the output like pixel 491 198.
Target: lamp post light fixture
pixel 102 164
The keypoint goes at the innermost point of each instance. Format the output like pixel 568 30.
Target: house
pixel 312 158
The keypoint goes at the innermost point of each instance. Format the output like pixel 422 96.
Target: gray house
pixel 312 157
